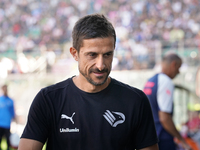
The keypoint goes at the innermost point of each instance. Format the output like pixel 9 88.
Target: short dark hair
pixel 171 56
pixel 92 26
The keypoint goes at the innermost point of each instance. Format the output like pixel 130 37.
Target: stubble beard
pixel 91 81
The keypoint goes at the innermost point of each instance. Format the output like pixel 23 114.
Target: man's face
pixel 5 90
pixel 95 59
pixel 175 69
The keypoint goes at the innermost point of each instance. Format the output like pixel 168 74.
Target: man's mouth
pixel 99 73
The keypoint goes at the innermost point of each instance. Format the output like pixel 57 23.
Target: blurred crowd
pixel 30 29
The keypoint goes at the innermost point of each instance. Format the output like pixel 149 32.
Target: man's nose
pixel 100 63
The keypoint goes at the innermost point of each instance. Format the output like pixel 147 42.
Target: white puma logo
pixel 63 116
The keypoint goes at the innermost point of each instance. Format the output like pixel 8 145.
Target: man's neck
pixel 84 85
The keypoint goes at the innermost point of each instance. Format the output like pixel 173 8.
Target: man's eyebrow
pixel 90 52
pixel 111 51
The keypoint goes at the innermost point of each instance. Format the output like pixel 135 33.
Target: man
pixel 91 111
pixel 6 115
pixel 159 89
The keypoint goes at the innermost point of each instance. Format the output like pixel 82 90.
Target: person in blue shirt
pixel 159 90
pixel 7 113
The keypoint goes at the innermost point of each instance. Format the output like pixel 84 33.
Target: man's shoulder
pixel 56 87
pixel 126 87
pixel 154 77
pixel 164 78
pixel 6 98
pixel 160 76
pixel 121 84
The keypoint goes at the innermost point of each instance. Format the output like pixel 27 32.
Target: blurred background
pixel 35 37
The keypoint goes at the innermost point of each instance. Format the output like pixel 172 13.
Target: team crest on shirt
pixel 114 118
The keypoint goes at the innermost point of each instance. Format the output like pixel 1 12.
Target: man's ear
pixel 74 53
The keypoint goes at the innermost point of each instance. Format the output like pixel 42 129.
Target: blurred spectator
pixel 6 67
pixel 176 34
pixel 7 113
pixel 193 125
pixel 26 25
pixel 51 58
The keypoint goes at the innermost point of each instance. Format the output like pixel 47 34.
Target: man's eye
pixel 92 54
pixel 108 54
